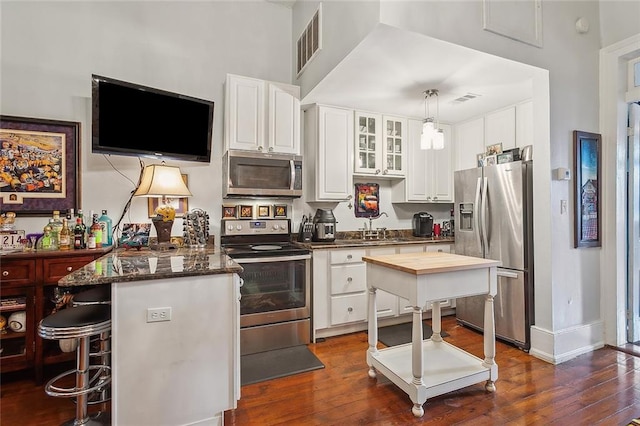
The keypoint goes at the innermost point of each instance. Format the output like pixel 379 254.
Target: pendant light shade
pixel 432 136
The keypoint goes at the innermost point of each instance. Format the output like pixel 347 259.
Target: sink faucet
pixel 375 217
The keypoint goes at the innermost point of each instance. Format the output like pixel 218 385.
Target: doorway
pixel 633 224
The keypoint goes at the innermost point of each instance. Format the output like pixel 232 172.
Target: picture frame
pixel 367 200
pixel 135 235
pixel 264 211
pixel 280 210
pixel 39 185
pixel 505 157
pixel 180 204
pixel 494 149
pixel 587 168
pixel 490 160
pixel 246 212
pixel 480 159
pixel 229 212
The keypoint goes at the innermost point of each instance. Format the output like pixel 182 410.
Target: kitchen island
pixel 175 333
pixel 426 368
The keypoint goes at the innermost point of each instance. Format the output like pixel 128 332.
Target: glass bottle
pixel 79 234
pixel 107 230
pixel 83 226
pixel 95 233
pixel 47 241
pixel 64 239
pixel 56 226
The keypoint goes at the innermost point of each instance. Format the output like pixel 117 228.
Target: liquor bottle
pixel 107 231
pixel 47 241
pixel 79 234
pixel 84 228
pixel 64 240
pixel 95 233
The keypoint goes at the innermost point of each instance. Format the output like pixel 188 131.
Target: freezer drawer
pixel 509 309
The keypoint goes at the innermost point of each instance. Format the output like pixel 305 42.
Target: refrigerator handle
pixel 506 273
pixel 483 217
pixel 476 212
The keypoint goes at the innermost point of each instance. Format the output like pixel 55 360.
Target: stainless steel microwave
pixel 252 174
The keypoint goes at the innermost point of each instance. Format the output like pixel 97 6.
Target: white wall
pixel 619 19
pixel 50 49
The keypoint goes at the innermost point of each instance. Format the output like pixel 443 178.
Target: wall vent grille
pixel 310 41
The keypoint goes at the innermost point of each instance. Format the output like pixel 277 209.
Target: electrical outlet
pixel 158 314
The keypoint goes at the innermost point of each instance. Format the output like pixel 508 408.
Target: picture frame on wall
pixel 587 167
pixel 264 211
pixel 44 171
pixel 280 211
pixel 181 205
pixel 246 212
pixel 229 212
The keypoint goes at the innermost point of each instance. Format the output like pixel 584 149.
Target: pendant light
pixel 432 136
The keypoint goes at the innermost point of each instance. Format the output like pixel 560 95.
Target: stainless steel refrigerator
pixel 493 219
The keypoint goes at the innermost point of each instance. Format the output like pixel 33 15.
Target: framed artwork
pixel 280 210
pixel 40 165
pixel 367 200
pixel 494 149
pixel 246 212
pixel 229 212
pixel 180 204
pixel 505 157
pixel 480 160
pixel 264 211
pixel 490 160
pixel 135 235
pixel 587 155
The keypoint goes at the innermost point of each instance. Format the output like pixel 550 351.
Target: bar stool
pixel 80 323
pixel 100 295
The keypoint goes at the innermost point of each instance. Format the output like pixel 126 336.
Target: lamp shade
pixel 428 131
pixel 160 180
pixel 438 139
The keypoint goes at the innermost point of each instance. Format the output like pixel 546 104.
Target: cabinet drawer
pixel 348 278
pixel 18 272
pixel 56 268
pixel 349 308
pixel 346 256
pixel 442 248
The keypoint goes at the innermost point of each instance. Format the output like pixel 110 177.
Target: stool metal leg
pixel 82 381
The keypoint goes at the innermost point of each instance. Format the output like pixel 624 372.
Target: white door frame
pixel 613 126
pixel 633 226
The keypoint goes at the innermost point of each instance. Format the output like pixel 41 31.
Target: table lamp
pixel 160 180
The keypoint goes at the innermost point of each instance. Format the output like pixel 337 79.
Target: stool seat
pixel 76 322
pixel 95 296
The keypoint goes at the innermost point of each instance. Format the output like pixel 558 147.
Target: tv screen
pixel 130 119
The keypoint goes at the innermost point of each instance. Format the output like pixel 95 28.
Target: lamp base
pixel 163 231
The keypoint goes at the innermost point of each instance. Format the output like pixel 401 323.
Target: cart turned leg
pixel 489 342
pixel 373 330
pixel 417 361
pixel 436 322
pixel 417 410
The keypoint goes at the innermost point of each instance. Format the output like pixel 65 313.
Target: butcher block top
pixel 430 262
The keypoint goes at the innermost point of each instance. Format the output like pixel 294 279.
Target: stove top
pixel 258 238
pixel 237 251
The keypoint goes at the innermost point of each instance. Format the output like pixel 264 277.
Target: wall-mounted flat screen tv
pixel 131 119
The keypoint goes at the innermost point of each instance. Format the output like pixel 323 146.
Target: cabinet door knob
pixel 349 279
pixel 377 171
pixel 270 149
pixel 385 171
pixel 69 268
pixel 259 148
pixel 349 257
pixel 5 273
pixel 350 309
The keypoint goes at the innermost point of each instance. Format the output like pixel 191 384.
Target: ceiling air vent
pixel 310 41
pixel 465 98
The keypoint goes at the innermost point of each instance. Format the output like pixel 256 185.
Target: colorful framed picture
pixel 587 154
pixel 246 212
pixel 180 204
pixel 264 211
pixel 280 210
pixel 367 200
pixel 494 149
pixel 135 235
pixel 41 169
pixel 229 212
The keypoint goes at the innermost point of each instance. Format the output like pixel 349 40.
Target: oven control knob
pixel 239 227
pixel 230 227
pixel 276 227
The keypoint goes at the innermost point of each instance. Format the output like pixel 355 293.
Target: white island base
pixel 420 278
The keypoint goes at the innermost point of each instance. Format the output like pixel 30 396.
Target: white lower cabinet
pixel 340 299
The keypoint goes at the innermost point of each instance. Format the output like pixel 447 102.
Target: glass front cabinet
pixel 380 144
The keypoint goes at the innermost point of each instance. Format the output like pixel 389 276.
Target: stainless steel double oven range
pixel 275 307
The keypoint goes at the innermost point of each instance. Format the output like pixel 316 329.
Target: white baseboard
pixel 559 346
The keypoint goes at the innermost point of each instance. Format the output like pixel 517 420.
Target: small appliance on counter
pixel 305 234
pixel 422 224
pixel 324 226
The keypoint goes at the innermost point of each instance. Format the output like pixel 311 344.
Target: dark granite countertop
pixel 351 239
pixel 132 265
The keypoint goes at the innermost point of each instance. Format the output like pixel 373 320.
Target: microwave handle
pixel 292 169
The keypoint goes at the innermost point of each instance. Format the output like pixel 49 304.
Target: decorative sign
pixel 12 240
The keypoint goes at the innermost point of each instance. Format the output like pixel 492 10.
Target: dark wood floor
pixel 599 388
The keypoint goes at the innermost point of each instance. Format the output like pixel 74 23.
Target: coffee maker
pixel 422 224
pixel 324 226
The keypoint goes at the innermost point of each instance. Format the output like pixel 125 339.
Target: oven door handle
pixel 268 259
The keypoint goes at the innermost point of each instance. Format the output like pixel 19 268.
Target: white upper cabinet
pixel 261 115
pixel 429 176
pixel 328 156
pixel 500 128
pixel 379 145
